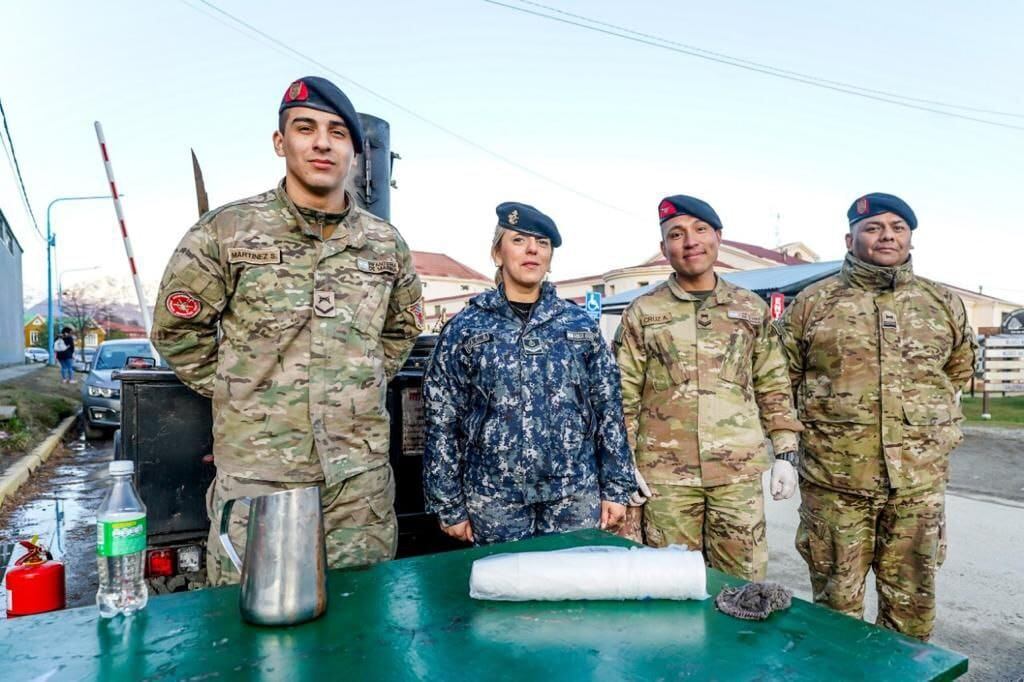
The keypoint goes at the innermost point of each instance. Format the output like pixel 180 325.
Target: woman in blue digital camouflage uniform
pixel 525 434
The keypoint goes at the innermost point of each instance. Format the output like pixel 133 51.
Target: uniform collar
pixel 857 273
pixel 350 229
pixel 721 294
pixel 545 308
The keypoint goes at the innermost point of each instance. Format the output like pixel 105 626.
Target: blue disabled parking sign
pixel 593 304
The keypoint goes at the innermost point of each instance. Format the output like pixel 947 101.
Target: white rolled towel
pixel 590 573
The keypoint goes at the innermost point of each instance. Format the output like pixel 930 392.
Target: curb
pixel 19 472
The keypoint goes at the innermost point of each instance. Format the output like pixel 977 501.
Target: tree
pixel 81 311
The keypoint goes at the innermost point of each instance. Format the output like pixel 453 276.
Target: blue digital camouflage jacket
pixel 524 412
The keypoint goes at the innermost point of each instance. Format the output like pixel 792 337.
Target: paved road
pixel 15 371
pixel 76 474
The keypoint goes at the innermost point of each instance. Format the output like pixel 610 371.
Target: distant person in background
pixel 64 347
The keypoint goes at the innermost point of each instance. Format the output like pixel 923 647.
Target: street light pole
pixel 51 243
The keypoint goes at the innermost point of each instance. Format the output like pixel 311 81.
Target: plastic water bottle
pixel 121 545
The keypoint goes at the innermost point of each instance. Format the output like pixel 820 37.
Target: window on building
pixel 642 284
pixel 437 310
pixel 464 287
pixel 33 338
pixel 612 292
pixel 599 288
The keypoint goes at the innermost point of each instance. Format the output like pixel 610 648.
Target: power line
pixel 798 74
pixel 430 122
pixel 769 71
pixel 12 159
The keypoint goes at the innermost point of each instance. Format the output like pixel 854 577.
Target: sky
pixel 605 126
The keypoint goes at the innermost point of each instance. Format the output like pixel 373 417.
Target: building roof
pixel 125 327
pixel 429 264
pixel 786 279
pixel 752 249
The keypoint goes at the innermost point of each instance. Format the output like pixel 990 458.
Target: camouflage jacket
pixel 702 384
pixel 528 411
pixel 876 356
pixel 294 337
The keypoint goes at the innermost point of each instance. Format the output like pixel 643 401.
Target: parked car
pixel 101 393
pixel 83 359
pixel 33 354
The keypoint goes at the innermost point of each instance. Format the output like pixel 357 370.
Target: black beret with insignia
pixel 526 219
pixel 880 202
pixel 321 94
pixel 681 204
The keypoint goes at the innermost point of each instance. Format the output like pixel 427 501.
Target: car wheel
pixel 92 432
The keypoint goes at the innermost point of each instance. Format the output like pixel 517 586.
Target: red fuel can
pixel 35 584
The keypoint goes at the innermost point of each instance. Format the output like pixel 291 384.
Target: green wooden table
pixel 413 620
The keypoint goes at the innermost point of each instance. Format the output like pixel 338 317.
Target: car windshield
pixel 114 357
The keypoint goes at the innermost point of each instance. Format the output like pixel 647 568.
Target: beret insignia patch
pixel 666 208
pixel 183 305
pixel 862 206
pixel 513 218
pixel 297 92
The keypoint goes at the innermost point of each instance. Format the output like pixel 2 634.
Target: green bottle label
pixel 117 538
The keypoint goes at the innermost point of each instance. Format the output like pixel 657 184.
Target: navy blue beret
pixel 528 220
pixel 319 93
pixel 681 204
pixel 880 202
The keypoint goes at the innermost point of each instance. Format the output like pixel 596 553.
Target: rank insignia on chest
pixel 376 267
pixel 533 345
pixel 704 318
pixel 323 304
pixel 889 320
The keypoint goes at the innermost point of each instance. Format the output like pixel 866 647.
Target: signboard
pixel 413 422
pixel 593 305
pixel 777 305
pixel 1014 323
pixel 1003 368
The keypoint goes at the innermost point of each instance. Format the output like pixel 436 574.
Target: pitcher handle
pixel 225 523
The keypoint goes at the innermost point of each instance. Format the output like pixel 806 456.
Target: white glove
pixel 642 492
pixel 783 480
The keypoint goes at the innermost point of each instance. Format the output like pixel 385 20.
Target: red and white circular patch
pixel 183 305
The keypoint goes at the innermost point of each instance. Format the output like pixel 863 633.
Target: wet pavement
pixel 58 504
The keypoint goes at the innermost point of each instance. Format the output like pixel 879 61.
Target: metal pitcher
pixel 284 576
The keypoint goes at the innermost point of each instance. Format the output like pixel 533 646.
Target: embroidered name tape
pixel 752 318
pixel 376 267
pixel 659 318
pixel 478 340
pixel 581 336
pixel 268 256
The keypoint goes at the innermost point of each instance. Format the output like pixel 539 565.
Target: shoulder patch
pixel 376 267
pixel 581 336
pixel 268 256
pixel 656 318
pixel 746 315
pixel 475 341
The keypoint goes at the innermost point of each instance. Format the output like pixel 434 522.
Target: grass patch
pixel 42 402
pixel 1005 411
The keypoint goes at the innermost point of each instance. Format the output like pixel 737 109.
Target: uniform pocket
pixel 814 542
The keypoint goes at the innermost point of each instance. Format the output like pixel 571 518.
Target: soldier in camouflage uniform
pixel 703 380
pixel 292 309
pixel 524 416
pixel 876 356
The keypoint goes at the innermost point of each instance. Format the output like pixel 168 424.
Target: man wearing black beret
pixel 292 309
pixel 877 355
pixel 703 382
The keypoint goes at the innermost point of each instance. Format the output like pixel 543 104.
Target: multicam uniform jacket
pixel 294 337
pixel 532 409
pixel 876 356
pixel 702 384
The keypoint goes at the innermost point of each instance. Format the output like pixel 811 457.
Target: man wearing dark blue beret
pixel 877 355
pixel 292 309
pixel 703 383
